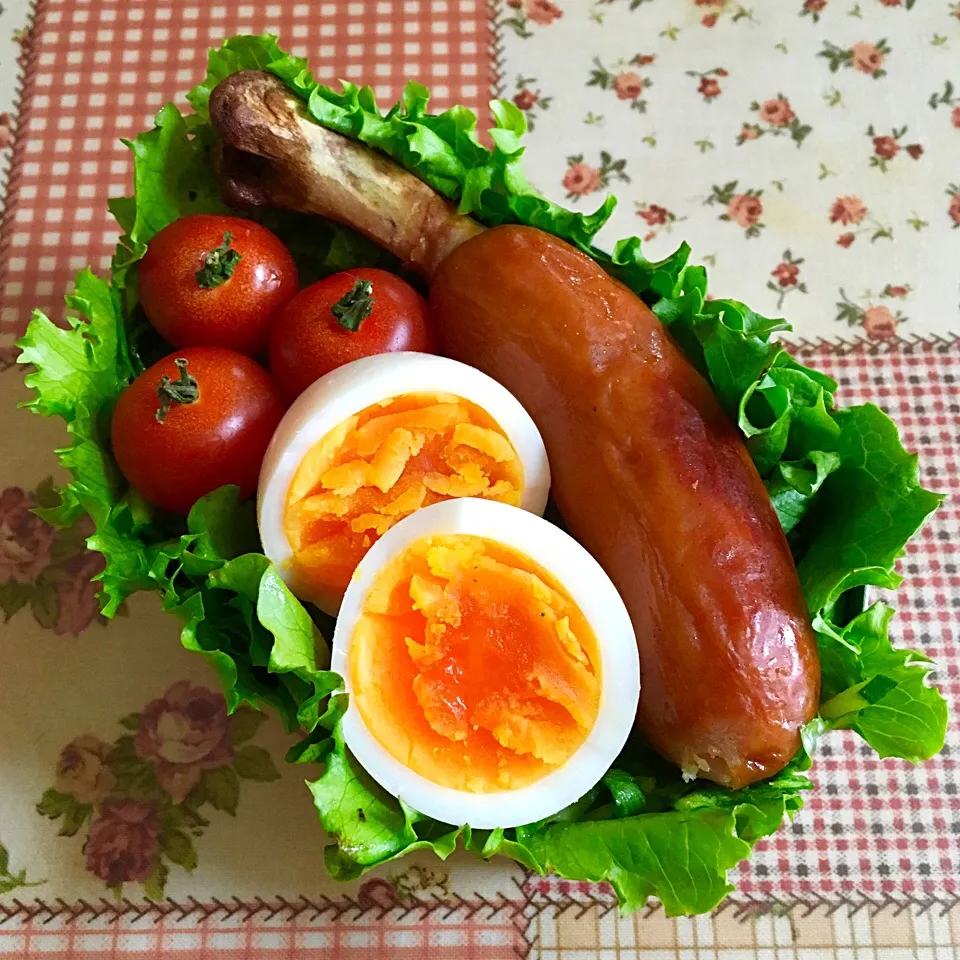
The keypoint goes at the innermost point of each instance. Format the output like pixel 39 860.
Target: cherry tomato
pixel 342 318
pixel 214 281
pixel 198 419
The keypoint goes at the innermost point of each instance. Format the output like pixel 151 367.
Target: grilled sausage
pixel 653 478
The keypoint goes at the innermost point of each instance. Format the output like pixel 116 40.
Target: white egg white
pixel 618 668
pixel 360 384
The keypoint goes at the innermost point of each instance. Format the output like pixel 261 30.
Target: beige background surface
pixel 54 688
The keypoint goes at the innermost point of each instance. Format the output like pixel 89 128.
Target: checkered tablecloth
pixel 871 862
pixel 96 72
pixel 878 827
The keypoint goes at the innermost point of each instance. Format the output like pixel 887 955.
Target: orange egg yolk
pixel 380 465
pixel 473 666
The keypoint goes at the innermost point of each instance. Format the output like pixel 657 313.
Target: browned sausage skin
pixel 653 478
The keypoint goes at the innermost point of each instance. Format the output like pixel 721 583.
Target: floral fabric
pixel 807 149
pixel 46 571
pixel 139 799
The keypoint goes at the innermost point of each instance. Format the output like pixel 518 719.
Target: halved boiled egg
pixel 491 665
pixel 377 439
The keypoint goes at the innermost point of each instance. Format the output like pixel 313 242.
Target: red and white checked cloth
pixel 875 828
pixel 306 937
pixel 881 826
pixel 98 71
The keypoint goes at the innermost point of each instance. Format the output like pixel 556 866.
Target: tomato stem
pixel 354 307
pixel 218 264
pixel 184 389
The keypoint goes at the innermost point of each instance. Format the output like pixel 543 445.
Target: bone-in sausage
pixel 654 479
pixel 648 471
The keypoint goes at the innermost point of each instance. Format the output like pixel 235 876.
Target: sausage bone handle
pixel 270 153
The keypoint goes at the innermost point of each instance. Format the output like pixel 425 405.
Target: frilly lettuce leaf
pixel 682 855
pixel 370 826
pixel 172 178
pixel 236 53
pixel 647 833
pixel 78 372
pixel 258 644
pixel 681 858
pixel 847 494
pixel 878 690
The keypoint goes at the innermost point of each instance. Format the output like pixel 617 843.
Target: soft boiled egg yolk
pixel 472 665
pixel 380 465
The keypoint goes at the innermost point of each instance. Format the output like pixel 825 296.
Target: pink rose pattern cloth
pixel 144 798
pixel 809 147
pixel 123 842
pixel 182 734
pixel 46 571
